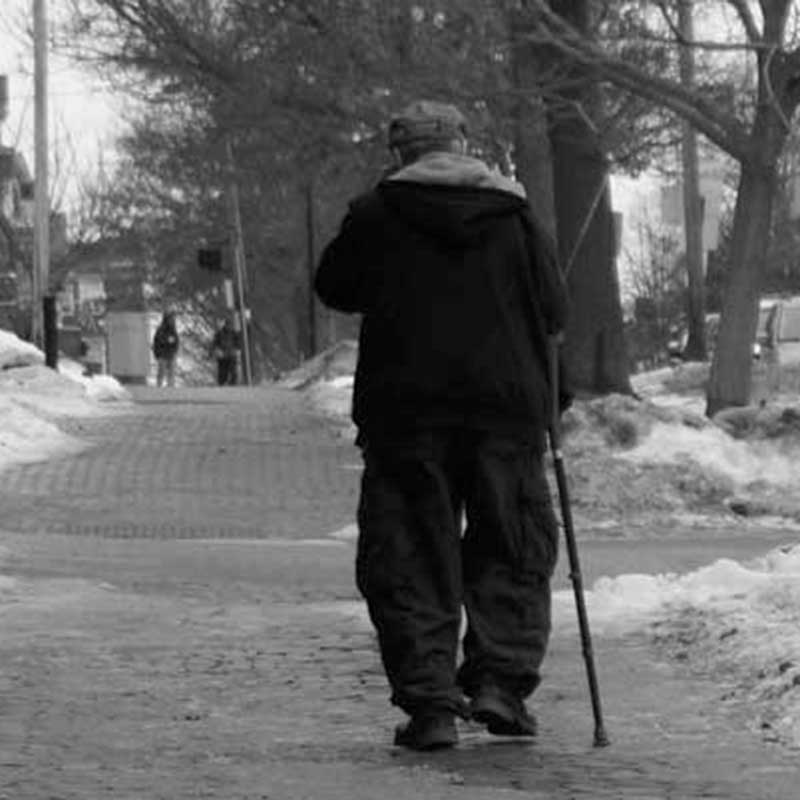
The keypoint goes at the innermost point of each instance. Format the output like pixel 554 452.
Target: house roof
pixel 105 256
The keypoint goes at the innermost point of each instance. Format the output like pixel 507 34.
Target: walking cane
pixel 600 737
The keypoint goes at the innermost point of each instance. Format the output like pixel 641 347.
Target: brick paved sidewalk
pixel 149 661
pixel 191 463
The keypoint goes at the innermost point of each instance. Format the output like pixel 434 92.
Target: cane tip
pixel 600 739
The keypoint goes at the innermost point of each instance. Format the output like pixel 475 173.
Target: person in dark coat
pixel 165 348
pixel 459 290
pixel 225 348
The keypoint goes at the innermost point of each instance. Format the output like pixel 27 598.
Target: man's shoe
pixel 502 713
pixel 431 731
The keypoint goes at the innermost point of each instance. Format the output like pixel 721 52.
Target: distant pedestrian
pixel 459 289
pixel 165 348
pixel 225 349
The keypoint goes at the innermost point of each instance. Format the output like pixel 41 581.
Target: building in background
pixel 16 233
pixel 102 297
pixel 652 203
pixel 16 242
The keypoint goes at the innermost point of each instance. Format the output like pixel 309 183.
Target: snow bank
pixel 33 398
pixel 349 533
pixel 22 373
pixel 738 622
pixel 327 383
pixel 743 462
pixel 768 422
pixel 612 491
pixel 688 378
pixel 25 436
pixel 62 393
pixel 634 599
pixel 333 397
pixel 14 352
pixel 100 388
pixel 338 361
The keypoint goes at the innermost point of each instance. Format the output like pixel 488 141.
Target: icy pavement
pixel 184 632
pixel 152 646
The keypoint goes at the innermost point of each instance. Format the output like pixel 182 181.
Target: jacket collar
pixel 453 169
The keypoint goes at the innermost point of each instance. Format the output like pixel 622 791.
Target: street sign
pixel 210 258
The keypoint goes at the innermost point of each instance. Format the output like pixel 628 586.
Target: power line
pixel 70 93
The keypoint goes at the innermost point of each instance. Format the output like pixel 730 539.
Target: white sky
pixel 83 117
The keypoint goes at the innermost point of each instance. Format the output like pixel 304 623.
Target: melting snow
pixel 742 461
pixel 32 396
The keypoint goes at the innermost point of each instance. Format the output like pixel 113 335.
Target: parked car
pixel 680 337
pixel 766 315
pixel 780 329
pixel 777 332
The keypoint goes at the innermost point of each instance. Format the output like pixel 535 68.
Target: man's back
pixel 458 290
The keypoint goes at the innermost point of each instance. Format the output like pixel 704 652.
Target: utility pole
pixel 239 265
pixel 41 231
pixel 311 258
pixel 692 202
pixel 3 104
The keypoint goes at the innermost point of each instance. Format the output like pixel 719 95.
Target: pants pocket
pixel 539 527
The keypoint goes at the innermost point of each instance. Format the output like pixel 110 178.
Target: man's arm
pixel 339 281
pixel 552 300
pixel 548 280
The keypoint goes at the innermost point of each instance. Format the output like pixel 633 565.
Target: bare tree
pixel 658 286
pixel 595 344
pixel 754 133
pixel 692 202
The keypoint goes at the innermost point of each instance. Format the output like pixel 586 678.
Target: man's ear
pixel 396 157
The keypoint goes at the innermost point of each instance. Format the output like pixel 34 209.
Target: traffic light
pixel 210 258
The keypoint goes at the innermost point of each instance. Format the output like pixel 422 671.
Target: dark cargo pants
pixel 416 569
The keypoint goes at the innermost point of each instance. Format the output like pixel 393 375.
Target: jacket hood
pixel 451 197
pixel 453 169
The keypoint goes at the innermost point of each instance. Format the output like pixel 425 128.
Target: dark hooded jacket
pixel 166 340
pixel 459 289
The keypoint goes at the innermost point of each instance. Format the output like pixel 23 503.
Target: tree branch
pixel 742 8
pixel 793 83
pixel 698 44
pixel 158 25
pixel 775 13
pixel 724 130
pixel 669 21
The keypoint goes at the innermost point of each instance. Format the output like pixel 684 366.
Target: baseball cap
pixel 426 121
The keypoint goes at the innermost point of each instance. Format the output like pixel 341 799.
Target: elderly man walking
pixel 459 290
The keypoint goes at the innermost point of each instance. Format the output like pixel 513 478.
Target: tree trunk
pixel 594 348
pixel 311 262
pixel 693 225
pixel 692 203
pixel 729 384
pixel 532 155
